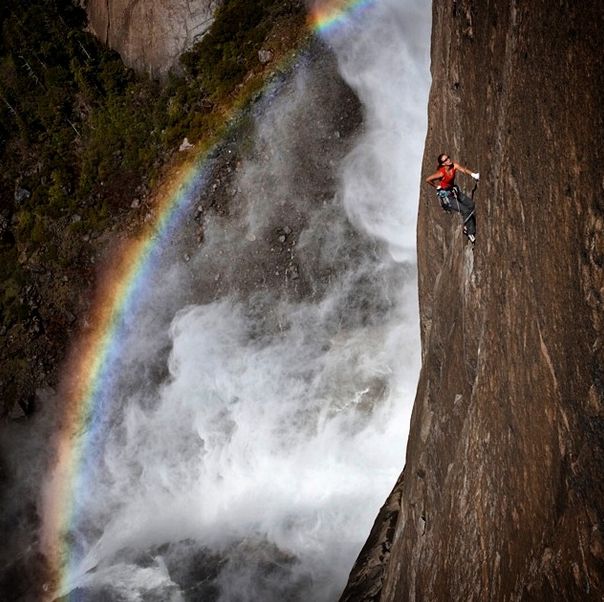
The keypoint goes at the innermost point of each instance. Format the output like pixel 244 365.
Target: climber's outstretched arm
pixel 467 171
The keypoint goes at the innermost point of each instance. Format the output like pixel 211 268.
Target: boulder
pixel 265 56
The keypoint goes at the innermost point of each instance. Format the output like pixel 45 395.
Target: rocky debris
pixel 502 495
pixel 4 226
pixel 265 56
pixel 264 258
pixel 292 271
pixel 185 145
pixel 21 194
pixel 37 327
pixel 33 262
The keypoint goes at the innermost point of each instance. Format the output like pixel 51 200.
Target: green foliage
pixel 224 56
pixel 121 135
pixel 79 131
pixel 25 223
pixel 72 116
pixel 12 279
pixel 38 231
pixel 57 193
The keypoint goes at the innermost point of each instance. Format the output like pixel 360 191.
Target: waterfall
pixel 260 415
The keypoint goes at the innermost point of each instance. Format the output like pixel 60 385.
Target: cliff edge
pixel 502 494
pixel 150 36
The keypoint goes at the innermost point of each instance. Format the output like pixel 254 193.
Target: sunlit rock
pixel 150 36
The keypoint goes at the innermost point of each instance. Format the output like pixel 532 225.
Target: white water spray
pixel 255 469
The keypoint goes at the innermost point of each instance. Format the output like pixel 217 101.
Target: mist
pixel 261 417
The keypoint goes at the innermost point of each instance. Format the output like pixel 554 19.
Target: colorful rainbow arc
pixel 326 17
pixel 94 362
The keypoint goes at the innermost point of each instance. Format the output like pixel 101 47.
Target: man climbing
pixel 451 197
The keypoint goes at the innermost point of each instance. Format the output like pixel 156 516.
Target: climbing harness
pixel 444 196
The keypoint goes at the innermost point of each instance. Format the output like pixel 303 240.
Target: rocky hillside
pixel 83 141
pixel 502 496
pixel 150 36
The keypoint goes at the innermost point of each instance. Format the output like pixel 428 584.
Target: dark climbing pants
pixel 465 205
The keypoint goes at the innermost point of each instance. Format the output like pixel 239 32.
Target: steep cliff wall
pixel 150 35
pixel 502 495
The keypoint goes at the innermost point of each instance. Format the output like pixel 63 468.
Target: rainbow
pixel 333 15
pixel 93 365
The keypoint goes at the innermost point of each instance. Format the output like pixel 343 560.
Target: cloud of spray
pixel 268 439
pixel 253 465
pixel 387 66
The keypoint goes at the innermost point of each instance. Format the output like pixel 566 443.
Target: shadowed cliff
pixel 502 495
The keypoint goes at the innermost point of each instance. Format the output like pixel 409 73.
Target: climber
pixel 451 197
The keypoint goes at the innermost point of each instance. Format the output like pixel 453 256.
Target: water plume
pixel 251 464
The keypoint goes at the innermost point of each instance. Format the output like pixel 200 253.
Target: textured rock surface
pixel 502 495
pixel 150 35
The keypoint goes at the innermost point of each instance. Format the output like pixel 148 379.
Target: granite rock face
pixel 502 494
pixel 150 35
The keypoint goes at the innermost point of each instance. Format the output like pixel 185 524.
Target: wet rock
pixel 292 272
